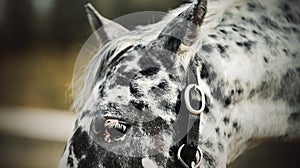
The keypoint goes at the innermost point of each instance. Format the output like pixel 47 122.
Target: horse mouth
pixel 111 129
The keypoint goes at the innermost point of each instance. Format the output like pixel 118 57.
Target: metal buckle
pixel 193 164
pixel 187 99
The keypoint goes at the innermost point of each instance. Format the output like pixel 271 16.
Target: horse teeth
pixel 124 128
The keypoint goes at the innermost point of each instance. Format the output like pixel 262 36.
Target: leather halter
pixel 189 152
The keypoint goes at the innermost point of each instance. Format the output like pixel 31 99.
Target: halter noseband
pixel 191 148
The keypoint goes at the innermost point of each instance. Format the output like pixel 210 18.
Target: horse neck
pixel 253 80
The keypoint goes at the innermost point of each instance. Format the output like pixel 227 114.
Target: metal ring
pixel 187 99
pixel 192 164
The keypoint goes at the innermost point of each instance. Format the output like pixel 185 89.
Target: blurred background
pixel 39 43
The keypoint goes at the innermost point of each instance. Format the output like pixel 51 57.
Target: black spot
pixel 140 46
pixel 229 135
pixel 133 87
pixel 141 105
pixel 204 72
pixel 220 147
pixel 234 25
pixel 236 126
pixel 209 159
pixel 239 43
pixel 207 47
pixel 208 144
pixel 223 31
pixel 289 91
pixel 266 60
pixel 163 85
pixel 287 11
pixel 150 71
pixel 235 29
pixel 178 103
pixel 83 146
pixel 253 22
pixel 217 130
pixel 101 90
pixel 242 35
pixel 269 22
pixel 157 92
pixel 294 117
pixel 298 70
pixel 172 77
pixel 226 120
pixel 251 6
pixel 286 7
pixel 295 29
pixel 207 105
pixel 254 32
pixel 111 105
pixel 240 91
pixel 70 161
pixel 246 44
pixel 227 101
pixel 290 18
pixel 217 91
pixel 206 110
pixel 221 48
pixel 212 36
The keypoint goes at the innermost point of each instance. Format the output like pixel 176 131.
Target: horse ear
pixel 184 28
pixel 105 29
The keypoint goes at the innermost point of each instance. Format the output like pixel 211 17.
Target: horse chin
pixel 84 151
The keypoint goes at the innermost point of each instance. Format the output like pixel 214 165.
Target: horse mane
pixel 84 83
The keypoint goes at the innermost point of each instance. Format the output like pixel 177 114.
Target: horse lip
pixel 120 119
pixel 110 117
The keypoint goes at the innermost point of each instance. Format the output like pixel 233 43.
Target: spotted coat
pixel 248 55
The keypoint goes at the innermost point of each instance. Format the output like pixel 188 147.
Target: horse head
pixel 133 94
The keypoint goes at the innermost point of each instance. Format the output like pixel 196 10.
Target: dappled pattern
pixel 248 59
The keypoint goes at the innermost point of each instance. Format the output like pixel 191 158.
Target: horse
pixel 241 59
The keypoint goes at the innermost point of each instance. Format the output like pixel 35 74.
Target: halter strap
pixel 187 153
